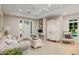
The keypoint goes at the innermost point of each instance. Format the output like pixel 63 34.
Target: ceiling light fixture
pixel 45 8
pixel 65 13
pixel 40 10
pixel 20 10
pixel 36 13
pixel 49 5
pixel 29 12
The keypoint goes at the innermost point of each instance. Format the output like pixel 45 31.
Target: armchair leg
pixel 73 43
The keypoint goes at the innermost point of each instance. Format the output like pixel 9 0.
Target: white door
pixel 52 30
pixel 26 26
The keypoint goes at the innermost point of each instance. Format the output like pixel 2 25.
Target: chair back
pixel 67 35
pixel 66 32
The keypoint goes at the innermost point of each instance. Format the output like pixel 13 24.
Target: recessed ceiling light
pixel 36 13
pixel 40 10
pixel 32 7
pixel 65 13
pixel 29 12
pixel 49 5
pixel 20 10
pixel 45 8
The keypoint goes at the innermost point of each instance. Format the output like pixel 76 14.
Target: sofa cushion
pixel 10 41
pixel 11 44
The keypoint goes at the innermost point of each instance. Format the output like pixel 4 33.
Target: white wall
pixel 66 21
pixel 12 23
pixel 45 28
pixel 0 19
pixel 0 22
pixel 59 23
pixel 63 23
pixel 61 26
pixel 35 27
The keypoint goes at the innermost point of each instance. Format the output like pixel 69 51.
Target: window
pixel 20 28
pixel 73 27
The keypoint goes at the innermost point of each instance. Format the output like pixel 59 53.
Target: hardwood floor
pixel 54 48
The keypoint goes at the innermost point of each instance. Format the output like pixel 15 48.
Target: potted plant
pixel 15 51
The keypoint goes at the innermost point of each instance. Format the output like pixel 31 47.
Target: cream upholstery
pixel 66 32
pixel 67 40
pixel 9 43
pixel 36 43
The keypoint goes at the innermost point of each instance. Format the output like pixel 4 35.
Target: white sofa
pixel 9 43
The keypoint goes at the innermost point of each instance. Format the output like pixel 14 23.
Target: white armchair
pixel 67 38
pixel 35 42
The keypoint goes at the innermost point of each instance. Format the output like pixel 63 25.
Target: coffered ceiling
pixel 37 11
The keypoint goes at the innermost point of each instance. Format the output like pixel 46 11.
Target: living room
pixel 38 26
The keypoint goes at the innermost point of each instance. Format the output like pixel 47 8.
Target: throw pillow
pixel 68 36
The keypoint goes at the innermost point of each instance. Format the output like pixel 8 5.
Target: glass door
pixel 25 29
